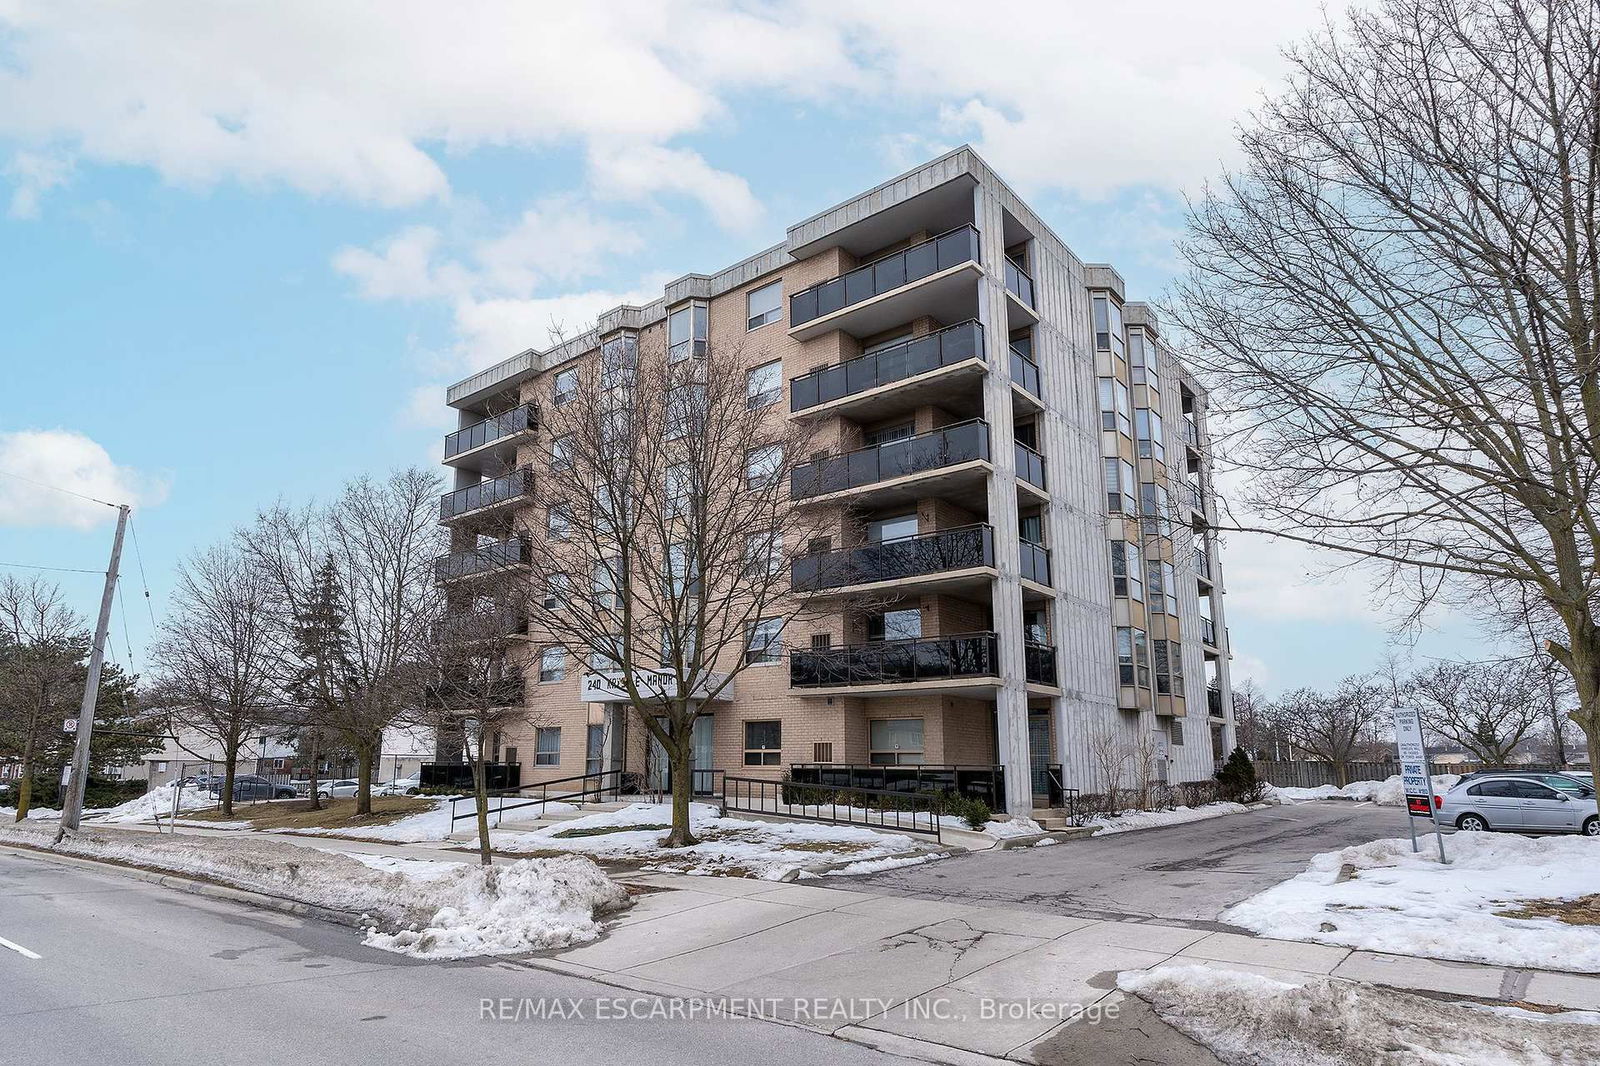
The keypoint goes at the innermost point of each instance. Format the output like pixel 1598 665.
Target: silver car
pixel 1520 804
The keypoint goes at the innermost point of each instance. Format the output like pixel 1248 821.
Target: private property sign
pixel 1414 776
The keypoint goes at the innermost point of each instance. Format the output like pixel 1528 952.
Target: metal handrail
pixel 758 795
pixel 519 419
pixel 896 362
pixel 816 477
pixel 869 265
pixel 498 490
pixel 579 795
pixel 897 558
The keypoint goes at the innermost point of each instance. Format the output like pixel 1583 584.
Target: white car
pixel 1518 803
pixel 342 789
pixel 406 786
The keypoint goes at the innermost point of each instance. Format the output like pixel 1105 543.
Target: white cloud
pixel 560 239
pixel 400 269
pixel 496 328
pixel 633 172
pixel 72 461
pixel 33 174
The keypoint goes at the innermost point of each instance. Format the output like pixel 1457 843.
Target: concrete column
pixel 1011 709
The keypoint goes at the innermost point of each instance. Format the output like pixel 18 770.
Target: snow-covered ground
pixel 1385 793
pixel 1249 1020
pixel 158 801
pixel 1410 904
pixel 9 814
pixel 429 910
pixel 728 846
pixel 428 825
pixel 1128 821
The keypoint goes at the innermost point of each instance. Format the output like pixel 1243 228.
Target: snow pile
pixel 431 824
pixel 1248 1020
pixel 158 801
pixel 1409 904
pixel 1000 829
pixel 447 911
pixel 727 846
pixel 9 814
pixel 1385 793
pixel 1128 821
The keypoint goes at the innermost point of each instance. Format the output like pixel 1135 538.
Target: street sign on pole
pixel 1415 778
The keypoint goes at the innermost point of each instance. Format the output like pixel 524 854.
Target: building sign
pixel 1413 762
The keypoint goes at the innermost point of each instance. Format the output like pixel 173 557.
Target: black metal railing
pixel 482 559
pixel 1047 782
pixel 1025 372
pixel 1035 560
pixel 517 420
pixel 1191 430
pixel 511 486
pixel 1039 663
pixel 1213 703
pixel 923 260
pixel 1019 282
pixel 576 790
pixel 891 560
pixel 1030 465
pixel 897 661
pixel 901 812
pixel 1202 564
pixel 950 446
pixel 458 775
pixel 1208 631
pixel 980 781
pixel 919 355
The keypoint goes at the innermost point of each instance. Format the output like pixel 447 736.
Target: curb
pixel 196 887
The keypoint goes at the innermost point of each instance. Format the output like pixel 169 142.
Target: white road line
pixel 18 948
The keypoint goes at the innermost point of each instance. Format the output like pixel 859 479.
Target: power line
pixel 143 581
pixel 58 569
pixel 56 488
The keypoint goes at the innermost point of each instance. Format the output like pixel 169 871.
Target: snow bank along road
pixel 1190 872
pixel 142 974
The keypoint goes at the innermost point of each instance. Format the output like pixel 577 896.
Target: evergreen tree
pixel 322 673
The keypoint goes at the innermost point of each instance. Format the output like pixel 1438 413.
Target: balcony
pixel 484 559
pixel 1214 702
pixel 1202 566
pixel 486 496
pixel 1039 664
pixel 896 665
pixel 1030 467
pixel 1025 374
pixel 1191 432
pixel 1035 563
pixel 1019 283
pixel 1208 631
pixel 857 386
pixel 923 559
pixel 493 441
pixel 932 278
pixel 950 453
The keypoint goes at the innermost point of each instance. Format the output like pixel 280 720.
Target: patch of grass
pixel 335 813
pixel 1585 910
pixel 605 830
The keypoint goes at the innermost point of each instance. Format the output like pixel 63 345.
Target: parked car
pixel 249 786
pixel 341 789
pixel 1520 803
pixel 1574 781
pixel 405 786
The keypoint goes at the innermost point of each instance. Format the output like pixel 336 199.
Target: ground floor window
pixel 763 743
pixel 547 746
pixel 594 754
pixel 1176 732
pixel 894 741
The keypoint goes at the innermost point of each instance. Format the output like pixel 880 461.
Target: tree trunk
pixel 25 786
pixel 316 801
pixel 680 755
pixel 230 755
pixel 480 789
pixel 364 760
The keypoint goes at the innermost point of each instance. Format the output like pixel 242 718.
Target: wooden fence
pixel 1305 773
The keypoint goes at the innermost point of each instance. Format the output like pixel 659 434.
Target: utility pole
pixel 78 772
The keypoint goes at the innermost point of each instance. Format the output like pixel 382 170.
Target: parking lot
pixel 1190 872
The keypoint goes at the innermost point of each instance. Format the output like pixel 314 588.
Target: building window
pixel 606 656
pixel 557 590
pixel 683 572
pixel 1108 327
pixel 1127 566
pixel 553 663
pixel 605 581
pixel 763 641
pixel 686 406
pixel 558 521
pixel 895 625
pixel 763 743
pixel 1176 732
pixel 764 305
pixel 763 554
pixel 763 385
pixel 686 332
pixel 547 746
pixel 1142 359
pixel 761 466
pixel 1133 657
pixel 619 361
pixel 894 741
pixel 680 488
pixel 561 453
pixel 1150 435
pixel 1120 487
pixel 595 750
pixel 565 389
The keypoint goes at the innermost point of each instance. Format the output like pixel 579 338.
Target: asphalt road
pixel 1190 872
pixel 131 973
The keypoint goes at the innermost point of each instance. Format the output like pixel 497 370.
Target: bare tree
pixel 1489 709
pixel 664 535
pixel 1395 299
pixel 1253 724
pixel 216 655
pixel 42 649
pixel 1331 726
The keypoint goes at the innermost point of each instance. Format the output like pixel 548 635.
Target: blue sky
pixel 245 250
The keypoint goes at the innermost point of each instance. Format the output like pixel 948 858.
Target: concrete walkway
pixel 938 979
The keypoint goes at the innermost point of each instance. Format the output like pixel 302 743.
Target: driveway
pixel 1190 872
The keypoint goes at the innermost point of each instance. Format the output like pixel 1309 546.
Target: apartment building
pixel 1027 463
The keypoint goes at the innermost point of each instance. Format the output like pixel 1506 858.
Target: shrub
pixel 1237 780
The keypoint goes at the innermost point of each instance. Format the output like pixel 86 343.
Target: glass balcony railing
pixel 1035 562
pixel 1030 465
pixel 486 493
pixel 1208 631
pixel 482 559
pixel 897 662
pixel 1019 283
pixel 890 560
pixel 885 275
pixel 961 443
pixel 517 420
pixel 1025 372
pixel 1191 430
pixel 954 344
pixel 1039 663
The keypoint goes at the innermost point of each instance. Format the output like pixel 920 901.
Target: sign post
pixel 1415 777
